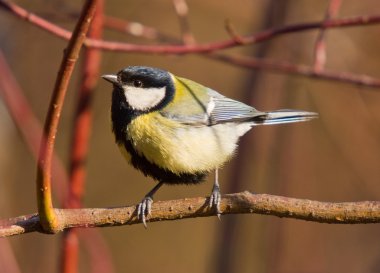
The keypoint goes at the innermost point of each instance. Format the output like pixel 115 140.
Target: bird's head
pixel 141 88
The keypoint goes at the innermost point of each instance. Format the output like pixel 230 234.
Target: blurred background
pixel 334 158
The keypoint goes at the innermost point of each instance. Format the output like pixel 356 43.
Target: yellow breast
pixel 181 148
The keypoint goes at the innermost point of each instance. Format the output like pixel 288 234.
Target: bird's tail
pixel 284 116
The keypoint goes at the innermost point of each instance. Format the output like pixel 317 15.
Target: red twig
pixel 8 262
pixel 187 49
pixel 182 12
pixel 282 67
pixel 136 29
pixel 97 248
pixel 80 140
pixel 233 33
pixel 45 206
pixel 289 68
pixel 26 121
pixel 83 116
pixel 35 20
pixel 249 39
pixel 70 252
pixel 320 44
pixel 31 132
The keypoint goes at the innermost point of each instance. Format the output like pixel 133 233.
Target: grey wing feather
pixel 195 120
pixel 224 110
pixel 218 109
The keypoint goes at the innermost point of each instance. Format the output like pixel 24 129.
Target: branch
pixel 151 33
pixel 31 132
pixel 320 44
pixel 8 259
pixel 303 70
pixel 226 44
pixel 249 62
pixel 28 124
pixel 137 29
pixel 182 11
pixel 188 49
pixel 83 113
pixel 44 199
pixel 80 140
pixel 364 212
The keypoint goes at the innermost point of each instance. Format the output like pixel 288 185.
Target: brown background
pixel 334 158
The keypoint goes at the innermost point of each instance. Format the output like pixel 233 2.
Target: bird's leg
pixel 215 195
pixel 144 208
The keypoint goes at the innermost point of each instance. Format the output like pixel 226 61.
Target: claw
pixel 214 201
pixel 144 209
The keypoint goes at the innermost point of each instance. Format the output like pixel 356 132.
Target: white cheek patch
pixel 143 98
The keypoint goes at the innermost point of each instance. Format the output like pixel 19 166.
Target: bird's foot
pixel 214 201
pixel 144 209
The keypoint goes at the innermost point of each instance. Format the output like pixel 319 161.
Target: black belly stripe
pixel 158 173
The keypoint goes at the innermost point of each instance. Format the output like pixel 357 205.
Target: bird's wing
pixel 223 109
pixel 198 106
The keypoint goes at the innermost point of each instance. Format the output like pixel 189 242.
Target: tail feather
pixel 284 116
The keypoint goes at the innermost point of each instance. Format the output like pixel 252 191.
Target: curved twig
pixel 44 165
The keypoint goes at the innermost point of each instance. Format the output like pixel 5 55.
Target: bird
pixel 177 131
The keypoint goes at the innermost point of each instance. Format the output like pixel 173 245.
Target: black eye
pixel 137 83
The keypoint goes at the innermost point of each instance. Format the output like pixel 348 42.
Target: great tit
pixel 177 131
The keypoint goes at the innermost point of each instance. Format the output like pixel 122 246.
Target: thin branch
pixel 249 39
pixel 31 132
pixel 98 251
pixel 365 212
pixel 137 29
pixel 278 66
pixel 35 20
pixel 69 252
pixel 27 123
pixel 182 12
pixel 45 206
pixel 282 67
pixel 290 68
pixel 234 34
pixel 320 44
pixel 188 49
pixel 80 140
pixel 83 116
pixel 8 261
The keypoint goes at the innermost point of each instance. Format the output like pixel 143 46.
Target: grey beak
pixel 111 78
